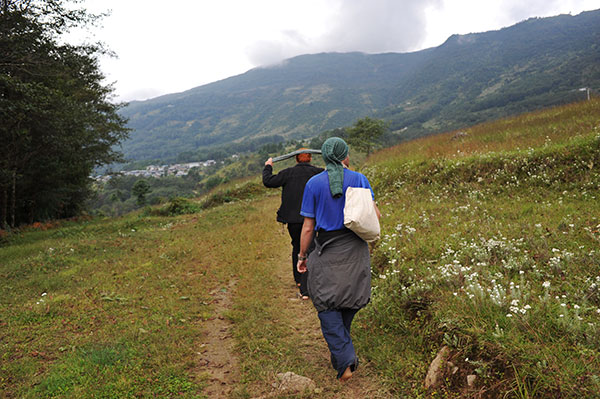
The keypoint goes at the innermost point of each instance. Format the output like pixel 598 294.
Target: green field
pixel 490 247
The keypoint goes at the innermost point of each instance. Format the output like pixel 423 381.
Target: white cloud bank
pixel 165 47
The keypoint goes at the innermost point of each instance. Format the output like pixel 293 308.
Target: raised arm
pixel 270 180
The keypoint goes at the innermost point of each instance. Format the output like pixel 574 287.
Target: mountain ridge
pixel 468 79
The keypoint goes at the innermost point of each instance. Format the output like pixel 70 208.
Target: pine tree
pixel 56 119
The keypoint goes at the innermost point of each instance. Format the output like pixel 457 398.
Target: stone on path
pixel 294 383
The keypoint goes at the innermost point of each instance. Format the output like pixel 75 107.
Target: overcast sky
pixel 171 46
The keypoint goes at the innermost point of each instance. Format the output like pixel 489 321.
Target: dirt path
pixel 218 363
pixel 217 358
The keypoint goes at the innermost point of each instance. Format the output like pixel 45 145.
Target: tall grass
pixel 526 131
pixel 490 247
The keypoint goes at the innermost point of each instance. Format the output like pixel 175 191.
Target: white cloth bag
pixel 360 215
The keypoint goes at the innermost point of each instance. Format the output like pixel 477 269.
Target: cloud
pixel 196 42
pixel 375 26
pixel 378 26
pixel 269 52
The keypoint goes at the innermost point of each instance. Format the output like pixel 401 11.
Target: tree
pixel 139 190
pixel 212 182
pixel 56 119
pixel 365 133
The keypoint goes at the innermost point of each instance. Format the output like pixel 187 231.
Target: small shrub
pixel 237 193
pixel 181 206
pixel 176 206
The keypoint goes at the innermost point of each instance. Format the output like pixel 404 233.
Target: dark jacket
pixel 293 181
pixel 339 273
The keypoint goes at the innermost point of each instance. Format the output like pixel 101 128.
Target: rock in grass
pixel 291 382
pixel 435 374
pixel 471 380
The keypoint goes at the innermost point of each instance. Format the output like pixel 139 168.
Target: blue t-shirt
pixel 318 203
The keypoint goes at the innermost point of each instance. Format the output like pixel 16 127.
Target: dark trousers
pixel 295 230
pixel 335 325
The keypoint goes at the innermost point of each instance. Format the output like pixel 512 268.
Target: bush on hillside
pixel 239 192
pixel 176 206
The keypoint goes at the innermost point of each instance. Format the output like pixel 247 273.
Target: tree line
pixel 57 122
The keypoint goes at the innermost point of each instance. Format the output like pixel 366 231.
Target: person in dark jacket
pixel 293 181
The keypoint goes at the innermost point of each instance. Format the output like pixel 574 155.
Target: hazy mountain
pixel 468 79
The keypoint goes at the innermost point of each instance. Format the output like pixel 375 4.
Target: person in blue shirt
pixel 339 278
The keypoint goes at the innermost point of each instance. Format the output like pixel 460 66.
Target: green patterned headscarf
pixel 334 151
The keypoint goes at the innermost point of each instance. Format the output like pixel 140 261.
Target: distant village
pixel 178 169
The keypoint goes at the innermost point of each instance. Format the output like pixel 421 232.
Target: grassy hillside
pixel 489 247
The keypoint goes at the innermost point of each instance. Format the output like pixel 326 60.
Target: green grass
pixel 121 302
pixel 117 308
